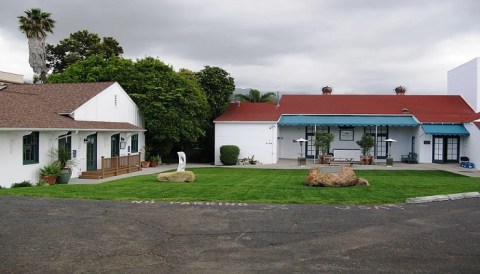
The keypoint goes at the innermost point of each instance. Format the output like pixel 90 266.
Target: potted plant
pixel 145 163
pixel 366 143
pixel 63 159
pixel 322 143
pixel 154 160
pixel 49 173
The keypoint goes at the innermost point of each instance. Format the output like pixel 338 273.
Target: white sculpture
pixel 182 161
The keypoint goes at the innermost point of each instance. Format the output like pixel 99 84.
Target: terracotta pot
pixel 153 163
pixel 145 163
pixel 51 180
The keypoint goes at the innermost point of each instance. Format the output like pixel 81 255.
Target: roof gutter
pixel 71 129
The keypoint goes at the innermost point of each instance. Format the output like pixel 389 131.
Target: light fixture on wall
pixel 85 140
pixel 122 139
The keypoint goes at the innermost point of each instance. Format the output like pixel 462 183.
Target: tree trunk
pixel 37 56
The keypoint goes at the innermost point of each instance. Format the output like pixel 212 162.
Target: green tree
pixel 96 69
pixel 218 86
pixel 36 24
pixel 254 96
pixel 79 46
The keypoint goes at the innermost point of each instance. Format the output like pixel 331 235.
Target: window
pixel 115 100
pixel 65 142
pixel 134 143
pixel 30 148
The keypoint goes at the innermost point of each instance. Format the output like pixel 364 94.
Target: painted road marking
pixel 376 207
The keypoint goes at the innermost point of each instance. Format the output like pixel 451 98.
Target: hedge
pixel 229 154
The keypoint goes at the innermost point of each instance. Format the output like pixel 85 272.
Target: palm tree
pixel 35 25
pixel 255 97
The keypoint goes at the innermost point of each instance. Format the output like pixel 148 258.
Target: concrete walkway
pixel 292 164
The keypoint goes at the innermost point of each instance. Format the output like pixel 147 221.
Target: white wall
pixel 403 136
pixel 259 139
pixel 464 80
pixel 287 148
pixel 102 108
pixel 14 171
pixel 471 146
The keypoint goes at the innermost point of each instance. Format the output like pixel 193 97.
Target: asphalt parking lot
pixel 48 235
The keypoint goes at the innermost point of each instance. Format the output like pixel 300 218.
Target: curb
pixel 438 198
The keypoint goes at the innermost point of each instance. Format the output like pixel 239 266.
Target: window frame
pixel 134 143
pixel 33 144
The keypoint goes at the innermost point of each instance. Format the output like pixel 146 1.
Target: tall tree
pixel 218 86
pixel 36 24
pixel 254 96
pixel 79 46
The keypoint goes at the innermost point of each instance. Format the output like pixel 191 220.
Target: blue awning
pixel 346 120
pixel 439 129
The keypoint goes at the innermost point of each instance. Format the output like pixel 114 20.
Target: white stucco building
pixel 438 128
pixel 91 119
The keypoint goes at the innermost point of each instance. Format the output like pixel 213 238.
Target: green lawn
pixel 265 186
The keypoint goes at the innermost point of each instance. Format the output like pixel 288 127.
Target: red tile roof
pixel 250 112
pixel 426 108
pixel 40 106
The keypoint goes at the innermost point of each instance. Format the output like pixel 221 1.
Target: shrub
pixel 229 154
pixel 22 184
pixel 41 183
pixel 366 143
pixel 50 170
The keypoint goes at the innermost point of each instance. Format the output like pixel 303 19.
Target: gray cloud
pixel 355 46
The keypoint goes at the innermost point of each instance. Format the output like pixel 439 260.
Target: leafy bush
pixel 366 143
pixel 41 183
pixel 22 184
pixel 229 154
pixel 51 170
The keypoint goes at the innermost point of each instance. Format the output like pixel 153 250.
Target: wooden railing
pixel 120 165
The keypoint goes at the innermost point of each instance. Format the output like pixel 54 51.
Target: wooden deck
pixel 114 166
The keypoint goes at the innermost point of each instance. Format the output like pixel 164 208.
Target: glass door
pixel 92 152
pixel 446 149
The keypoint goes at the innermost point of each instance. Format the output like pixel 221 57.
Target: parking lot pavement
pixel 44 235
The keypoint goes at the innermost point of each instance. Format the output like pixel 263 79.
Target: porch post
pixel 118 163
pixel 103 167
pixel 128 163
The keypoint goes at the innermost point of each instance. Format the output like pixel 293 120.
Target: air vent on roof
pixel 400 90
pixel 326 90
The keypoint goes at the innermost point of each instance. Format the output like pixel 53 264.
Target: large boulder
pixel 333 176
pixel 177 176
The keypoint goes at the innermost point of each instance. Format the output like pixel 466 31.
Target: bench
pixel 411 157
pixel 348 156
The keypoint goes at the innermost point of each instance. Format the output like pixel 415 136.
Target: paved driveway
pixel 47 235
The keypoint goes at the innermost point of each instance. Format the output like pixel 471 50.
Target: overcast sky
pixel 356 46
